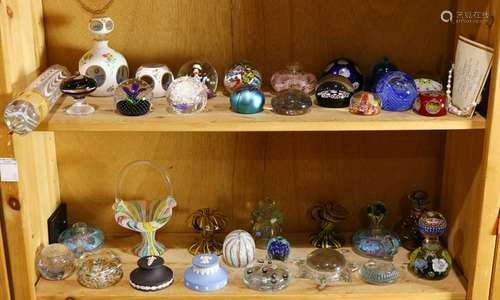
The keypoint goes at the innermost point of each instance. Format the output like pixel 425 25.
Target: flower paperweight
pixel 151 274
pixel 267 276
pixel 376 241
pixel 266 222
pixel 365 103
pixel 238 248
pixel 327 214
pixel 208 223
pixel 334 91
pixel 99 269
pixel 158 76
pixel 133 97
pixel 205 275
pixel 78 87
pixel 379 272
pixel 144 212
pixel 348 69
pixel 81 238
pixel 397 90
pixel 278 248
pixel 240 75
pixel 408 231
pixel 293 78
pixel 186 95
pixel 291 102
pixel 202 72
pixel 247 100
pixel 55 262
pixel 325 266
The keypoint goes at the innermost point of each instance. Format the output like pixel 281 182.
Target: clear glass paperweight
pixel 327 214
pixel 267 276
pixel 266 222
pixel 81 238
pixel 379 272
pixel 133 97
pixel 202 72
pixel 55 262
pixel 186 95
pixel 240 75
pixel 294 78
pixel 99 269
pixel 291 102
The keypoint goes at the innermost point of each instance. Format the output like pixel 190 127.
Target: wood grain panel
pixel 4 276
pixel 495 285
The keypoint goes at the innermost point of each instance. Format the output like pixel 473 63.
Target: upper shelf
pixel 219 118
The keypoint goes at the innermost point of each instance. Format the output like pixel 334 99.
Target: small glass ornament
pixel 238 248
pixel 376 241
pixel 247 100
pixel 278 248
pixel 208 223
pixel 100 269
pixel 325 266
pixel 397 90
pixel 158 76
pixel 334 91
pixel 205 275
pixel 291 102
pixel 408 231
pixel 431 261
pixel 79 86
pixel 294 78
pixel 133 97
pixel 365 103
pixel 431 104
pixel 147 211
pixel 428 85
pixel 240 75
pixel 186 95
pixel 379 70
pixel 151 275
pixel 379 272
pixel 266 222
pixel 55 262
pixel 348 69
pixel 81 238
pixel 267 276
pixel 202 72
pixel 327 214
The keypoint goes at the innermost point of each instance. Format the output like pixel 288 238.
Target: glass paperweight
pixel 238 248
pixel 293 78
pixel 55 262
pixel 278 248
pixel 334 91
pixel 240 75
pixel 186 95
pixel 267 276
pixel 408 231
pixel 78 87
pixel 397 90
pixel 325 266
pixel 81 238
pixel 202 72
pixel 376 241
pixel 428 85
pixel 348 69
pixel 205 275
pixel 147 211
pixel 379 70
pixel 151 275
pixel 365 103
pixel 207 222
pixel 133 97
pixel 99 269
pixel 291 102
pixel 327 214
pixel 247 100
pixel 431 104
pixel 266 222
pixel 379 272
pixel 431 261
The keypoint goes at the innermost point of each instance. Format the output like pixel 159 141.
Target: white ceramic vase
pixel 158 76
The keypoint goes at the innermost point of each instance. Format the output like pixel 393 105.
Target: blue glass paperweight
pixel 348 69
pixel 81 238
pixel 376 241
pixel 397 90
pixel 205 275
pixel 278 248
pixel 379 70
pixel 247 100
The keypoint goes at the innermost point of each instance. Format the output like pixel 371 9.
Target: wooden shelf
pixel 408 287
pixel 219 118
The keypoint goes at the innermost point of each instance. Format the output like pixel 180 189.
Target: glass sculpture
pixel 133 97
pixel 186 95
pixel 78 87
pixel 379 272
pixel 81 238
pixel 408 231
pixel 346 68
pixel 278 248
pixel 397 90
pixel 99 269
pixel 267 276
pixel 327 214
pixel 207 222
pixel 240 75
pixel 266 222
pixel 202 72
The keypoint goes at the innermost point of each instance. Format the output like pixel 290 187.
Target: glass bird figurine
pixel 327 214
pixel 266 222
pixel 207 222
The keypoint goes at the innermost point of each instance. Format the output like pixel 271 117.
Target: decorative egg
pixel 203 72
pixel 348 69
pixel 334 91
pixel 238 248
pixel 397 90
pixel 278 248
pixel 247 100
pixel 240 75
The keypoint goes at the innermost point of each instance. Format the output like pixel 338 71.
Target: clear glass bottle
pixel 266 221
pixel 55 262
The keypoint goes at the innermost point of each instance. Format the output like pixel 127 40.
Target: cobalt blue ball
pixel 247 100
pixel 348 69
pixel 278 248
pixel 379 70
pixel 397 91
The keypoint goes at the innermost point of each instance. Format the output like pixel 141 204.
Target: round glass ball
pixel 278 248
pixel 55 262
pixel 186 95
pixel 133 97
pixel 203 72
pixel 397 90
pixel 247 100
pixel 240 75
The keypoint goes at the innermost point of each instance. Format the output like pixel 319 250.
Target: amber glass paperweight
pixel 208 223
pixel 266 222
pixel 327 214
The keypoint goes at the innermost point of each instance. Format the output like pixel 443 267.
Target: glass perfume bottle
pixel 431 260
pixel 327 214
pixel 266 222
pixel 409 233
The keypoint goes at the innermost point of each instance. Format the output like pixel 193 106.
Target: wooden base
pixel 177 257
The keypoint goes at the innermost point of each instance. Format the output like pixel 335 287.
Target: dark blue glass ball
pixel 278 248
pixel 397 91
pixel 348 69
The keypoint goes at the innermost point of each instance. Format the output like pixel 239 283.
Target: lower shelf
pixel 177 257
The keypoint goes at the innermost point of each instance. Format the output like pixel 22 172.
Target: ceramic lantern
pixel 107 66
pixel 238 248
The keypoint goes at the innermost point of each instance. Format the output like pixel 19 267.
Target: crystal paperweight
pixel 55 262
pixel 133 97
pixel 278 248
pixel 186 95
pixel 346 68
pixel 397 90
pixel 151 274
pixel 365 103
pixel 266 222
pixel 327 214
pixel 208 223
pixel 379 272
pixel 100 269
pixel 78 87
pixel 205 275
pixel 240 75
pixel 267 276
pixel 293 78
pixel 202 72
pixel 408 231
pixel 81 238
pixel 334 91
pixel 291 102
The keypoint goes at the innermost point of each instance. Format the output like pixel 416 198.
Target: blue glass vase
pixel 397 90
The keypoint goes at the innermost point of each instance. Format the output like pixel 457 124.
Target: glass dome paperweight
pixel 408 231
pixel 294 78
pixel 266 222
pixel 397 90
pixel 81 238
pixel 325 266
pixel 267 276
pixel 334 91
pixel 240 75
pixel 327 214
pixel 99 269
pixel 151 275
pixel 133 97
pixel 379 272
pixel 278 248
pixel 205 275
pixel 79 86
pixel 148 211
pixel 186 95
pixel 346 68
pixel 55 262
pixel 202 72
pixel 376 241
pixel 365 103
pixel 291 102
pixel 431 261
pixel 247 100
pixel 207 222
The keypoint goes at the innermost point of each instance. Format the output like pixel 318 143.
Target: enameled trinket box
pixel 205 275
pixel 431 104
pixel 334 91
pixel 151 275
pixel 428 85
pixel 267 276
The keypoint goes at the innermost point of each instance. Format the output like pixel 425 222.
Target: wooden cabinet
pixel 227 161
